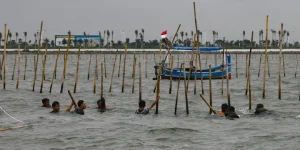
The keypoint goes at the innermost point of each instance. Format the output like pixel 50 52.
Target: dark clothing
pixel 231 115
pixel 79 111
pixel 142 111
pixel 260 110
pixel 54 111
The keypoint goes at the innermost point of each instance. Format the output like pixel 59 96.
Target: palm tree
pixel 181 34
pixel 35 41
pixel 52 43
pixel 186 38
pixel 0 39
pixel 112 36
pixel 80 41
pixel 279 33
pixel 74 41
pixel 108 34
pixel 104 37
pixel 25 35
pixel 136 37
pixel 244 33
pixel 284 33
pixel 17 34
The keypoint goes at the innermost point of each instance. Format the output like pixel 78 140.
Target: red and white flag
pixel 163 34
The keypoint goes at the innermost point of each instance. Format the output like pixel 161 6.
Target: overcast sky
pixel 228 17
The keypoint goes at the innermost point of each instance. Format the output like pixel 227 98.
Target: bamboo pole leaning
pixel 185 91
pixel 55 68
pixel 37 57
pixel 77 70
pixel 18 77
pixel 178 85
pixel 44 68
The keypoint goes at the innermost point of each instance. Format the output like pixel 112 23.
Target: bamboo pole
pixel 246 66
pixel 208 104
pixel 266 55
pixel 55 68
pixel 296 65
pixel 112 74
pixel 133 73
pixel 13 75
pixel 236 65
pixel 89 67
pixel 223 65
pixel 104 66
pixel 268 65
pixel 44 68
pixel 158 88
pixel 185 91
pixel 1 62
pixel 195 76
pixel 146 66
pixel 102 95
pixel 259 64
pixel 283 64
pixel 119 65
pixel 140 83
pixel 4 58
pixel 96 72
pixel 191 61
pixel 37 57
pixel 210 89
pixel 227 79
pixel 123 80
pixel 18 78
pixel 171 76
pixel 65 63
pixel 249 80
pixel 25 67
pixel 181 66
pixel 280 55
pixel 77 70
pixel 249 63
pixel 133 66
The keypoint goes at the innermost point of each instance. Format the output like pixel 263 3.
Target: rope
pixel 10 115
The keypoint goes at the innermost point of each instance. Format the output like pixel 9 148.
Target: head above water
pixel 46 102
pixel 81 104
pixel 101 103
pixel 258 106
pixel 224 107
pixel 142 103
pixel 55 106
pixel 231 109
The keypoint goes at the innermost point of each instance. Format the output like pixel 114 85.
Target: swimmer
pixel 55 107
pixel 80 109
pixel 46 103
pixel 142 105
pixel 101 104
pixel 260 109
pixel 230 114
pixel 224 108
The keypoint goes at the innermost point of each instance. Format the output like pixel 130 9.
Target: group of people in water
pixel 226 110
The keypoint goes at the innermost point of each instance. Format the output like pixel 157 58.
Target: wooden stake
pixel 102 95
pixel 195 75
pixel 104 66
pixel 146 62
pixel 1 62
pixel 133 66
pixel 210 89
pixel 89 67
pixel 223 65
pixel 171 76
pixel 13 75
pixel 140 83
pixel 54 72
pixel 25 67
pixel 227 79
pixel 283 65
pixel 185 92
pixel 123 80
pixel 112 74
pixel 37 57
pixel 65 63
pixel 44 68
pixel 133 73
pixel 266 55
pixel 158 88
pixel 259 64
pixel 296 65
pixel 236 65
pixel 17 86
pixel 248 79
pixel 208 104
pixel 4 58
pixel 246 65
pixel 181 66
pixel 96 72
pixel 119 65
pixel 191 61
pixel 268 65
pixel 77 70
pixel 280 55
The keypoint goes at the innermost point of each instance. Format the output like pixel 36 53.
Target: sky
pixel 228 17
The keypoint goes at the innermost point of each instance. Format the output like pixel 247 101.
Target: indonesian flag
pixel 163 34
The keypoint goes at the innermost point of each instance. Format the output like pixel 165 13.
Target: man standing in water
pixel 142 105
pixel 101 104
pixel 79 109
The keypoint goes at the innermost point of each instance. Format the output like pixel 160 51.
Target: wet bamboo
pixel 140 83
pixel 210 89
pixel 104 66
pixel 65 63
pixel 236 66
pixel 25 67
pixel 249 80
pixel 168 50
pixel 146 63
pixel 77 70
pixel 13 75
pixel 158 88
pixel 227 79
pixel 1 62
pixel 44 68
pixel 246 66
pixel 37 57
pixel 133 73
pixel 268 65
pixel 249 63
pixel 102 95
pixel 210 107
pixel 259 64
pixel 283 64
pixel 185 91
pixel 181 66
pixel 4 58
pixel 296 65
pixel 280 56
pixel 54 72
pixel 112 74
pixel 171 76
pixel 89 67
pixel 223 65
pixel 96 72
pixel 133 66
pixel 195 76
pixel 198 50
pixel 123 80
pixel 266 55
pixel 119 65
pixel 18 77
pixel 191 61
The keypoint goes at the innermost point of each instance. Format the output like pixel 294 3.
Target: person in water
pixel 142 105
pixel 231 113
pixel 55 107
pixel 46 103
pixel 101 104
pixel 260 109
pixel 80 109
pixel 224 108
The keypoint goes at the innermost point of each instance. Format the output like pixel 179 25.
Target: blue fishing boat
pixel 217 72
